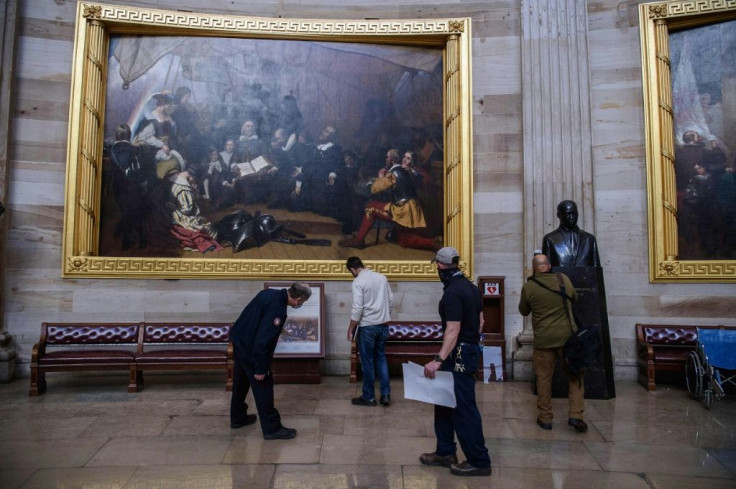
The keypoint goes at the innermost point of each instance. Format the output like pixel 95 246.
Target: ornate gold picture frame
pixel 88 194
pixel 689 82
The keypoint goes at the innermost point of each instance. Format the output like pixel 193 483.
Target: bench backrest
pixel 415 331
pixel 668 334
pixel 89 333
pixel 158 333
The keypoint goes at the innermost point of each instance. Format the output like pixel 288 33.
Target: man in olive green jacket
pixel 541 296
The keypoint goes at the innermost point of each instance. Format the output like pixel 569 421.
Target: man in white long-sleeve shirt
pixel 371 311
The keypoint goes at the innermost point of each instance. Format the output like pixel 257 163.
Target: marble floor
pixel 88 432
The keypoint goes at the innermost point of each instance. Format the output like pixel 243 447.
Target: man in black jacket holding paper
pixel 254 336
pixel 461 312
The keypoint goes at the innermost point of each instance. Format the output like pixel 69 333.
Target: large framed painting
pixel 303 334
pixel 689 78
pixel 219 146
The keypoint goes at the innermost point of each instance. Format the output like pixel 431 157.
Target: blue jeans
pixel 372 348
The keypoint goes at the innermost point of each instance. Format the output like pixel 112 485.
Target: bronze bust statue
pixel 568 245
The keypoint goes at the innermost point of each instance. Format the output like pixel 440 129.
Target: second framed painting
pixel 303 334
pixel 689 78
pixel 212 146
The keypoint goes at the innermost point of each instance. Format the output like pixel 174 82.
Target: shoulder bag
pixel 584 345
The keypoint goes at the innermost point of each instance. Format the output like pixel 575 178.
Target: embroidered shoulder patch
pixel 277 322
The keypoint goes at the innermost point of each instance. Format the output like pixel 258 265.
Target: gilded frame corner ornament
pixel 96 22
pixel 657 20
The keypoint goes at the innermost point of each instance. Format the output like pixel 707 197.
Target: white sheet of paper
pixel 440 390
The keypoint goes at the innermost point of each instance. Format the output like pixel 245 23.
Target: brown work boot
pixel 352 243
pixel 438 460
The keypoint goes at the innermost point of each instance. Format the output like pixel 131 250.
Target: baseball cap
pixel 446 255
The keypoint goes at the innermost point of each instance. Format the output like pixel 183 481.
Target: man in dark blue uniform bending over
pixel 462 319
pixel 254 336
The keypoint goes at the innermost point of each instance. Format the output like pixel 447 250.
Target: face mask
pixel 447 274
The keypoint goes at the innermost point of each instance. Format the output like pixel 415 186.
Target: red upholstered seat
pixel 182 356
pixel 100 357
pixel 671 355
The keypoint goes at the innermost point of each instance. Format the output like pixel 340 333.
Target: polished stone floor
pixel 88 432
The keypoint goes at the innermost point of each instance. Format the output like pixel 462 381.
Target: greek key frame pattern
pixel 255 25
pixel 700 270
pixel 90 266
pixel 678 9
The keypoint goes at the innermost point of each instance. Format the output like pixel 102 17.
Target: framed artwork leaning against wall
pixel 212 146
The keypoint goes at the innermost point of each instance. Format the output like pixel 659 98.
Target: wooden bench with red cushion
pixel 183 346
pixel 66 347
pixel 133 347
pixel 665 347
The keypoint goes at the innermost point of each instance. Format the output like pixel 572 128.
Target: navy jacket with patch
pixel 256 332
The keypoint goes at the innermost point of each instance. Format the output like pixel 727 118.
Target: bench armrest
pixel 39 350
pixel 646 350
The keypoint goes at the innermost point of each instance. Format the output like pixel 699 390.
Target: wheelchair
pixel 712 365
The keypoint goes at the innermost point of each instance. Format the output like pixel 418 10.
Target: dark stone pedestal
pixel 591 310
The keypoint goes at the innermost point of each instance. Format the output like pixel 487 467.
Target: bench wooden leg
pixel 229 382
pixel 651 377
pixel 135 382
pixel 38 382
pixel 646 376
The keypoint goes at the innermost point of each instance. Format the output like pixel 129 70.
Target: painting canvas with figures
pixel 200 130
pixel 704 102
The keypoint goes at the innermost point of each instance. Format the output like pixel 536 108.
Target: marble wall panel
pixel 44 59
pixel 45 10
pixel 497 74
pixel 501 105
pixel 36 193
pixel 498 181
pixel 47 28
pixel 506 161
pixel 621 173
pixel 50 131
pixel 498 231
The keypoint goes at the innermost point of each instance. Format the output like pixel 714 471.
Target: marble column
pixel 8 35
pixel 557 130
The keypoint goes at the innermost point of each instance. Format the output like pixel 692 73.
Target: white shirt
pixel 372 299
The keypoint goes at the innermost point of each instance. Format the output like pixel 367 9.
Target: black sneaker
pixel 579 425
pixel 362 401
pixel 543 425
pixel 438 460
pixel 249 419
pixel 386 400
pixel 465 469
pixel 282 434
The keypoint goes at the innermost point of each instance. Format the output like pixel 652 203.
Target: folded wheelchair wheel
pixel 694 375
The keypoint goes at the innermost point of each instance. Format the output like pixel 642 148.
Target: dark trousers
pixel 243 381
pixel 463 420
